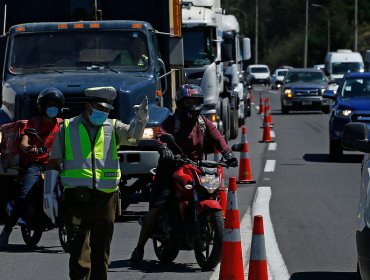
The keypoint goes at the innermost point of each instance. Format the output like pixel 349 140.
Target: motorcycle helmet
pixel 189 100
pixel 50 96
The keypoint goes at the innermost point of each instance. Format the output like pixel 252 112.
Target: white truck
pixel 201 22
pixel 233 56
pixel 339 62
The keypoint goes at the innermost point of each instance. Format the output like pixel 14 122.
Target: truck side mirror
pixel 163 77
pixel 246 49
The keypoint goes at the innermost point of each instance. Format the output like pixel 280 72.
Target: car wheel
pixel 326 110
pixel 335 150
pixel 284 109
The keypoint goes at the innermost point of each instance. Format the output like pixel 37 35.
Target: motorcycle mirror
pixel 30 132
pixel 237 147
pixel 167 138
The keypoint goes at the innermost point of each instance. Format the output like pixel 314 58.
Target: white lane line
pixel 275 261
pixel 272 134
pixel 270 165
pixel 246 237
pixel 272 146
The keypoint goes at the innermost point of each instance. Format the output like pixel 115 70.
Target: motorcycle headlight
pixel 210 182
pixel 343 113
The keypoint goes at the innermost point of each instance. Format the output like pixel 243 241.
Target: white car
pixel 278 77
pixel 355 139
pixel 258 74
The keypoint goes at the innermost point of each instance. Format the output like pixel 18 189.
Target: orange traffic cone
pixel 222 193
pixel 258 262
pixel 269 113
pixel 245 174
pixel 231 259
pixel 266 137
pixel 261 104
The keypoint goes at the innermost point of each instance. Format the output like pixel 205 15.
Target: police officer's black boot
pixel 4 238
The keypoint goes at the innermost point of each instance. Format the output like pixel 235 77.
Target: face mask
pixel 98 117
pixel 52 112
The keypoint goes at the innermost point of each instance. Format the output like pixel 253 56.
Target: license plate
pixel 306 102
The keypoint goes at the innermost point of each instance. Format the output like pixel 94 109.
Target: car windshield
pixel 282 73
pixel 259 70
pixel 356 87
pixel 343 67
pixel 77 50
pixel 197 47
pixel 305 77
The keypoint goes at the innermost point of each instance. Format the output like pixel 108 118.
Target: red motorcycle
pixel 194 219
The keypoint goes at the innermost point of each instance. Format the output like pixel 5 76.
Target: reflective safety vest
pixel 90 166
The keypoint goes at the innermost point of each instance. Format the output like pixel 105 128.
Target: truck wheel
pixel 234 124
pixel 225 116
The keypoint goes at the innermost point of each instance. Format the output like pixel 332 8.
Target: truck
pixel 76 44
pixel 339 62
pixel 235 50
pixel 201 29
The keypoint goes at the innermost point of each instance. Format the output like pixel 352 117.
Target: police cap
pixel 102 95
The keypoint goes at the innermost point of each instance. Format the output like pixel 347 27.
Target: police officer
pixel 190 131
pixel 34 152
pixel 86 146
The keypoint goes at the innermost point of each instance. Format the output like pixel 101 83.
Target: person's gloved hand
pixel 41 150
pixel 142 110
pixel 230 159
pixel 166 154
pixel 51 206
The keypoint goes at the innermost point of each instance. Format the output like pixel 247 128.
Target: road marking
pixel 276 264
pixel 270 165
pixel 272 147
pixel 272 134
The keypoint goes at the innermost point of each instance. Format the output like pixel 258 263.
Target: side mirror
pixel 167 138
pixel 30 132
pixel 246 48
pixel 328 94
pixel 355 137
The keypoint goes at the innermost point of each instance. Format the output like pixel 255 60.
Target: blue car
pixel 351 103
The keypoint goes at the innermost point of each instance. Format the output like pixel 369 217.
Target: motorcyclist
pixel 190 131
pixel 34 153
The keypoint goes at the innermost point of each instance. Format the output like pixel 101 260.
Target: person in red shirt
pixel 190 130
pixel 34 153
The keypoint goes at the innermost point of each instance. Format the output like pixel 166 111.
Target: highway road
pixel 310 205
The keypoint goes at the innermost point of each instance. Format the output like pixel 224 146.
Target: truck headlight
pixel 150 133
pixel 343 113
pixel 288 93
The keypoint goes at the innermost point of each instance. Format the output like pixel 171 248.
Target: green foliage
pixel 282 28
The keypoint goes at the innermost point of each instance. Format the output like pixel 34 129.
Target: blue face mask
pixel 52 112
pixel 98 117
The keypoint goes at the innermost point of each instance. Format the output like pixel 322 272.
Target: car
pixel 278 77
pixel 258 74
pixel 351 103
pixel 302 90
pixel 355 137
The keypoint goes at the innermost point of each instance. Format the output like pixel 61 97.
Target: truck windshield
pixel 78 50
pixel 197 47
pixel 305 77
pixel 259 70
pixel 343 67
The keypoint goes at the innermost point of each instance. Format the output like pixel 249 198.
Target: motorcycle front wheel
pixel 208 246
pixel 31 236
pixel 165 250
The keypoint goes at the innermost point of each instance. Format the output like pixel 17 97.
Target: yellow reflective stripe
pixel 101 174
pixel 68 153
pixel 99 144
pixel 114 141
pixel 85 141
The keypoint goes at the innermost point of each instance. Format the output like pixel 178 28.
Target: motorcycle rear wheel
pixel 31 236
pixel 62 233
pixel 165 251
pixel 208 247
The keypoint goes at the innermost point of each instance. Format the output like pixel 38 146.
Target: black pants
pixel 89 221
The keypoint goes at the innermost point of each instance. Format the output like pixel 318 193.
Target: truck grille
pixel 363 117
pixel 74 104
pixel 307 92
